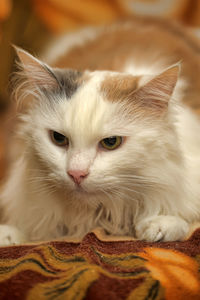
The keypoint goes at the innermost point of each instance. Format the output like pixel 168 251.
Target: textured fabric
pixel 96 269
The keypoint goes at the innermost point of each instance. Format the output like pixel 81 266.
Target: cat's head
pixel 95 132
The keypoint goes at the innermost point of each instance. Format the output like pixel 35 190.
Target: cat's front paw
pixel 10 235
pixel 162 228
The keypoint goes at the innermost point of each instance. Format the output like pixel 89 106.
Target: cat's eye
pixel 111 143
pixel 59 139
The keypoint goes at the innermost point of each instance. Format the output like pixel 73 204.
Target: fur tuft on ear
pixel 36 72
pixel 156 93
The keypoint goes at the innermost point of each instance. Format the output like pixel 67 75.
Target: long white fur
pixel 149 186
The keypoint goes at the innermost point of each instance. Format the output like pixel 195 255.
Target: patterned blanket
pixel 97 268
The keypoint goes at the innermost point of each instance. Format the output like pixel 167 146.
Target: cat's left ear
pixel 156 93
pixel 36 72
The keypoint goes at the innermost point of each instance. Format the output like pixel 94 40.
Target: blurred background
pixel 32 23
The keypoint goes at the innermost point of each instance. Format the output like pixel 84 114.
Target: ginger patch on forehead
pixel 119 87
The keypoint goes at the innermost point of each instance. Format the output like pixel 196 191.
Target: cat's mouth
pixel 81 191
pixel 78 189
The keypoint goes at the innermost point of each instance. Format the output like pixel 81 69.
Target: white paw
pixel 10 235
pixel 162 228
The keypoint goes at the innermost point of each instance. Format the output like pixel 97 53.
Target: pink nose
pixel 77 175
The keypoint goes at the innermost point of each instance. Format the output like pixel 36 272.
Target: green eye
pixel 59 139
pixel 111 143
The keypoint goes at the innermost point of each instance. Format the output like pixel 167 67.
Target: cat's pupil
pixel 111 141
pixel 58 137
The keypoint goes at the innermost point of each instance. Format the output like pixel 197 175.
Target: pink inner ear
pixel 35 71
pixel 157 92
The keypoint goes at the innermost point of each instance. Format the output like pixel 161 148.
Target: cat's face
pixel 96 132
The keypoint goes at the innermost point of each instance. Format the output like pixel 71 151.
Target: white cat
pixel 101 148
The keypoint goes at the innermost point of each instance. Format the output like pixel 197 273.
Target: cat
pixel 106 136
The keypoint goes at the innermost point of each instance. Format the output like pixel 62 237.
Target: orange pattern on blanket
pixel 177 272
pixel 96 269
pixel 47 272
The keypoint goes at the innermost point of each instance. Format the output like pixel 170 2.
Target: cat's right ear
pixel 155 95
pixel 37 74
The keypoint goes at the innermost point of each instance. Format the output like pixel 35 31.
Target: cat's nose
pixel 77 175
